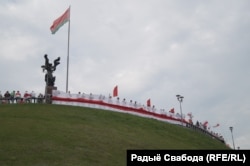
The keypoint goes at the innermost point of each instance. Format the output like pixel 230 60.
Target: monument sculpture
pixel 49 78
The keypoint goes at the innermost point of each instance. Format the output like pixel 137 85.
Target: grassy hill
pixel 40 134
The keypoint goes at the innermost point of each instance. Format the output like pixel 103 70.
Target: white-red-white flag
pixel 172 110
pixel 205 123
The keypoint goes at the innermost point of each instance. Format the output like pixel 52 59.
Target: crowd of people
pixel 206 130
pixel 17 97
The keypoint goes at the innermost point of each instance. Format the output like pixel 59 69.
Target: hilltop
pixel 43 134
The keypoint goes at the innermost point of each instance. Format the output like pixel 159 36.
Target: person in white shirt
pixel 33 96
pixel 18 97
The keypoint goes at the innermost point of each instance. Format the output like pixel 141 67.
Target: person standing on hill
pixel 18 97
pixel 12 96
pixel 27 97
pixel 1 97
pixel 7 96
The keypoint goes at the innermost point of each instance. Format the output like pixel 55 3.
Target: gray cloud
pixel 150 49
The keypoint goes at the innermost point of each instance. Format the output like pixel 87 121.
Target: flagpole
pixel 67 76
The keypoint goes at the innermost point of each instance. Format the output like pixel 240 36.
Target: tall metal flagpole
pixel 67 77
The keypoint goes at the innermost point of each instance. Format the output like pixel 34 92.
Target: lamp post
pixel 231 129
pixel 180 99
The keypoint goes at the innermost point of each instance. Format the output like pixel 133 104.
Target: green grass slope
pixel 40 134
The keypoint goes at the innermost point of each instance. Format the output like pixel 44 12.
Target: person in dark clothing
pixel 7 96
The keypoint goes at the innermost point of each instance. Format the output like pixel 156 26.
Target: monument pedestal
pixel 48 93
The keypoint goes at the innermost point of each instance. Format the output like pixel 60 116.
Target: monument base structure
pixel 48 93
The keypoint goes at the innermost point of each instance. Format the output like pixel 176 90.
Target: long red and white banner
pixel 114 104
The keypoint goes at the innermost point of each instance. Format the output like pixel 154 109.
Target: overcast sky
pixel 149 48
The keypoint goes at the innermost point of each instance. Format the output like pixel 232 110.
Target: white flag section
pixel 112 104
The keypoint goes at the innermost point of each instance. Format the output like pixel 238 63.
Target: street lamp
pixel 180 99
pixel 231 129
